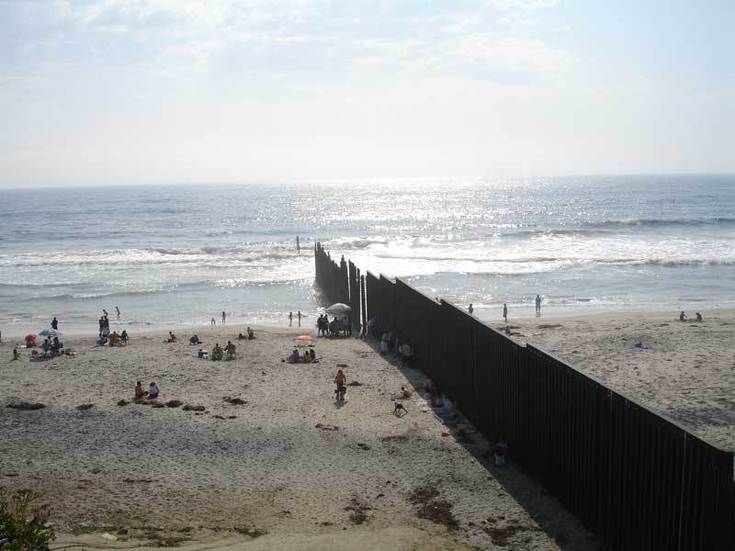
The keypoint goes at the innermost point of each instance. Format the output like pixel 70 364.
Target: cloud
pixel 481 39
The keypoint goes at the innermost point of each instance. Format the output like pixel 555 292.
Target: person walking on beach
pixel 298 245
pixel 290 319
pixel 470 309
pixel 104 313
pixel 538 305
pixel 299 316
pixel 505 312
pixel 224 317
pixel 117 311
pixel 54 323
pixel 213 322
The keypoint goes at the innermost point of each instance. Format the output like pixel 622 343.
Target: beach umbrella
pixel 338 309
pixel 304 338
pixel 50 333
pixel 31 337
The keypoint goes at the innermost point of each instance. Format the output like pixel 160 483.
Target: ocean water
pixel 177 255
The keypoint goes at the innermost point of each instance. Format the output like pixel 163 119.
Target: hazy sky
pixel 129 91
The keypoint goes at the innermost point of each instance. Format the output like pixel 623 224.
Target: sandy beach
pixel 287 469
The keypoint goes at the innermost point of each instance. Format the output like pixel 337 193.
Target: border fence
pixel 635 478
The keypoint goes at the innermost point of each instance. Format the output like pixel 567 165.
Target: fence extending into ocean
pixel 635 478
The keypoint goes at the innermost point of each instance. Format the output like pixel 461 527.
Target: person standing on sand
pixel 117 311
pixel 470 309
pixel 505 312
pixel 298 245
pixel 290 319
pixel 299 316
pixel 224 317
pixel 538 305
pixel 55 323
pixel 213 322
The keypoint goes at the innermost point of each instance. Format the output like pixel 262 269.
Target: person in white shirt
pixel 153 391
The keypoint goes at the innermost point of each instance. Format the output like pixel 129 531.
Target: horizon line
pixel 342 180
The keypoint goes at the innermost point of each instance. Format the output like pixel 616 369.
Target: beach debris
pixel 173 403
pixel 27 406
pixel 326 427
pixel 157 405
pixel 342 365
pixel 354 383
pixel 249 531
pixel 396 438
pixel 357 509
pixel 123 403
pixel 109 537
pixel 363 446
pixel 234 401
pixel 189 407
pixel 85 407
pixel 438 511
pixel 138 480
pixel 501 531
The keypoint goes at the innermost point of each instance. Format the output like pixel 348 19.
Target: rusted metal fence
pixel 635 478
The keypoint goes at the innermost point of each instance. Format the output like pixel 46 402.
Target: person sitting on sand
pixel 58 346
pixel 195 340
pixel 241 337
pixel 124 337
pixel 313 355
pixel 16 353
pixel 102 340
pixel 171 337
pixel 306 358
pixel 46 346
pixel 251 334
pixel 699 316
pixel 682 316
pixel 217 352
pixel 405 393
pixel 230 349
pixel 152 391
pixel 114 339
pixel 139 392
pixel 294 358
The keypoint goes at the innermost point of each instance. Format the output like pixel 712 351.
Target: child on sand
pixel 139 392
pixel 152 391
pixel 171 337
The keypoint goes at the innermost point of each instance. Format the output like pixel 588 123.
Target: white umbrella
pixel 338 309
pixel 50 333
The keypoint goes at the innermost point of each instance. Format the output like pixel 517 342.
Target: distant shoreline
pixel 491 316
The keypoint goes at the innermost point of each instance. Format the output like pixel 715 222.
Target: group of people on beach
pixel 683 316
pixel 537 302
pixel 150 394
pixel 338 326
pixel 389 342
pixel 308 357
